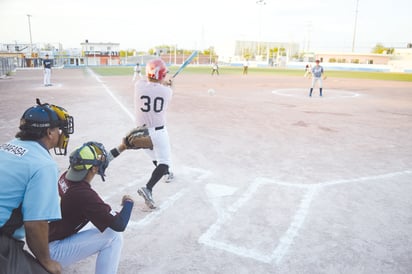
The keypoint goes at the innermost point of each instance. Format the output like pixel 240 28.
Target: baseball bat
pixel 187 62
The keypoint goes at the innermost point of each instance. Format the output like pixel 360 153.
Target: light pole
pixel 31 41
pixel 354 28
pixel 260 3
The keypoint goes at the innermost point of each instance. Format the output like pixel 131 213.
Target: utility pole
pixel 31 41
pixel 260 3
pixel 354 29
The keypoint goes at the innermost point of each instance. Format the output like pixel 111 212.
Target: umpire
pixel 28 189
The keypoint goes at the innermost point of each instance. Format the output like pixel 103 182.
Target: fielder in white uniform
pixel 136 71
pixel 317 74
pixel 152 97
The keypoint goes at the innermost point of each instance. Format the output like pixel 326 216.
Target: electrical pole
pixel 354 29
pixel 31 41
pixel 260 3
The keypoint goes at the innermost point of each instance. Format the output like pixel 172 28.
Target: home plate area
pixel 266 231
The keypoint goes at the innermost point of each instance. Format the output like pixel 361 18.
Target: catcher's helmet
pixel 156 69
pixel 85 157
pixel 37 119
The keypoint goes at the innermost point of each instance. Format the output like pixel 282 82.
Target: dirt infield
pixel 268 180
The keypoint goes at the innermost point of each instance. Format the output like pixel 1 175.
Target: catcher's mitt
pixel 138 138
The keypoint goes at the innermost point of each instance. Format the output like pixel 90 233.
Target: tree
pixel 123 53
pixel 247 54
pixel 381 49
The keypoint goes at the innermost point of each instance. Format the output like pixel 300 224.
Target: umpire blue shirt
pixel 28 176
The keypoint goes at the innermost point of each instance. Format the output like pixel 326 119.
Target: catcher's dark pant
pixel 15 260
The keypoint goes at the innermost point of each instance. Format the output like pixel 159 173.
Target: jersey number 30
pixel 148 105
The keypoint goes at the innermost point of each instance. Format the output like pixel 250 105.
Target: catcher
pixel 81 204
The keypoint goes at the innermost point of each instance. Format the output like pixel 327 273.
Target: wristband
pixel 115 152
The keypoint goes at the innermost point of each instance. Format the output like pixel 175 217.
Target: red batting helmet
pixel 156 69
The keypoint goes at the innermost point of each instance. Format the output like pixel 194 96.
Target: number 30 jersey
pixel 151 101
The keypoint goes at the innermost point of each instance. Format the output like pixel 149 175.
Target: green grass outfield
pixel 386 76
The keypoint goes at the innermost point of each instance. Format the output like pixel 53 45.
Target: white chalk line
pixel 160 209
pixel 171 200
pixel 201 175
pixel 338 182
pixel 107 89
pixel 287 239
pixel 284 242
pixel 198 173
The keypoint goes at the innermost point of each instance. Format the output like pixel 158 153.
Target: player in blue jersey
pixel 317 74
pixel 28 190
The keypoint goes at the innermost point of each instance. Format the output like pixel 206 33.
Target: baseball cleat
pixel 147 195
pixel 169 177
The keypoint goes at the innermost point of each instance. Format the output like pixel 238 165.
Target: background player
pixel 245 66
pixel 215 68
pixel 308 71
pixel 317 74
pixel 136 71
pixel 47 65
pixel 152 97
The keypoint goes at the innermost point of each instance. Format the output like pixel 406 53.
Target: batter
pixel 152 99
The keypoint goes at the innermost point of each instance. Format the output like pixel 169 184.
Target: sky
pixel 316 25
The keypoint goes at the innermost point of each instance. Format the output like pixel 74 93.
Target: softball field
pixel 267 180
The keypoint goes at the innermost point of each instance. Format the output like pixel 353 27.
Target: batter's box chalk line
pixel 287 239
pixel 154 214
pixel 195 175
